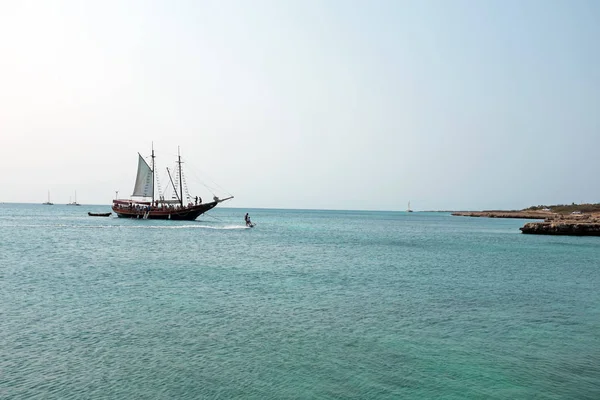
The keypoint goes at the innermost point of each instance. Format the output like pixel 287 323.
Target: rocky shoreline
pixel 505 214
pixel 573 225
pixel 554 224
pixel 572 229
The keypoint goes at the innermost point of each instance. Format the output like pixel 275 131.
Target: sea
pixel 308 304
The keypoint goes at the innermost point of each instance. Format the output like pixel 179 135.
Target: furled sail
pixel 144 181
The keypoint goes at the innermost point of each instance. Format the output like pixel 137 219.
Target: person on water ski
pixel 247 219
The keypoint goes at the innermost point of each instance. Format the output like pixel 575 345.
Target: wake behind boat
pixel 149 206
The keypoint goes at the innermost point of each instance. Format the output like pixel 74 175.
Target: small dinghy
pixel 91 214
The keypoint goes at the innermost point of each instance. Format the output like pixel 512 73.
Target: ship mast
pixel 151 204
pixel 180 177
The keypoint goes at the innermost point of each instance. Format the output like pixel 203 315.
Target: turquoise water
pixel 308 304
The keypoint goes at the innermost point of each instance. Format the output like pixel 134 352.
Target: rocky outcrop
pixel 574 225
pixel 554 224
pixel 562 228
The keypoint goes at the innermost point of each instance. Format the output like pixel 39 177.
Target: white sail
pixel 144 181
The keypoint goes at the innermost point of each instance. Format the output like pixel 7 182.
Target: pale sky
pixel 305 104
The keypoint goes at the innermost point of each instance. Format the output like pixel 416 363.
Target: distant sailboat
pixel 75 203
pixel 48 203
pixel 409 210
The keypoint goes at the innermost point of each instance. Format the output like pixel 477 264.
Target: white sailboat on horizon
pixel 48 203
pixel 75 203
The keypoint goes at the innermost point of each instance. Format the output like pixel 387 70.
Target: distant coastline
pixel 572 220
pixel 535 212
pixel 505 214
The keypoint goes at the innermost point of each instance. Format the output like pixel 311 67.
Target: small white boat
pixel 48 203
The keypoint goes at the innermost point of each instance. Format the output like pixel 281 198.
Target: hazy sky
pixel 305 104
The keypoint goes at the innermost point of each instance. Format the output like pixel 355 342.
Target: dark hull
pixel 99 214
pixel 183 214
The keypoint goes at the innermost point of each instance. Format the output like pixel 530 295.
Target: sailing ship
pixel 152 205
pixel 74 203
pixel 409 210
pixel 48 203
